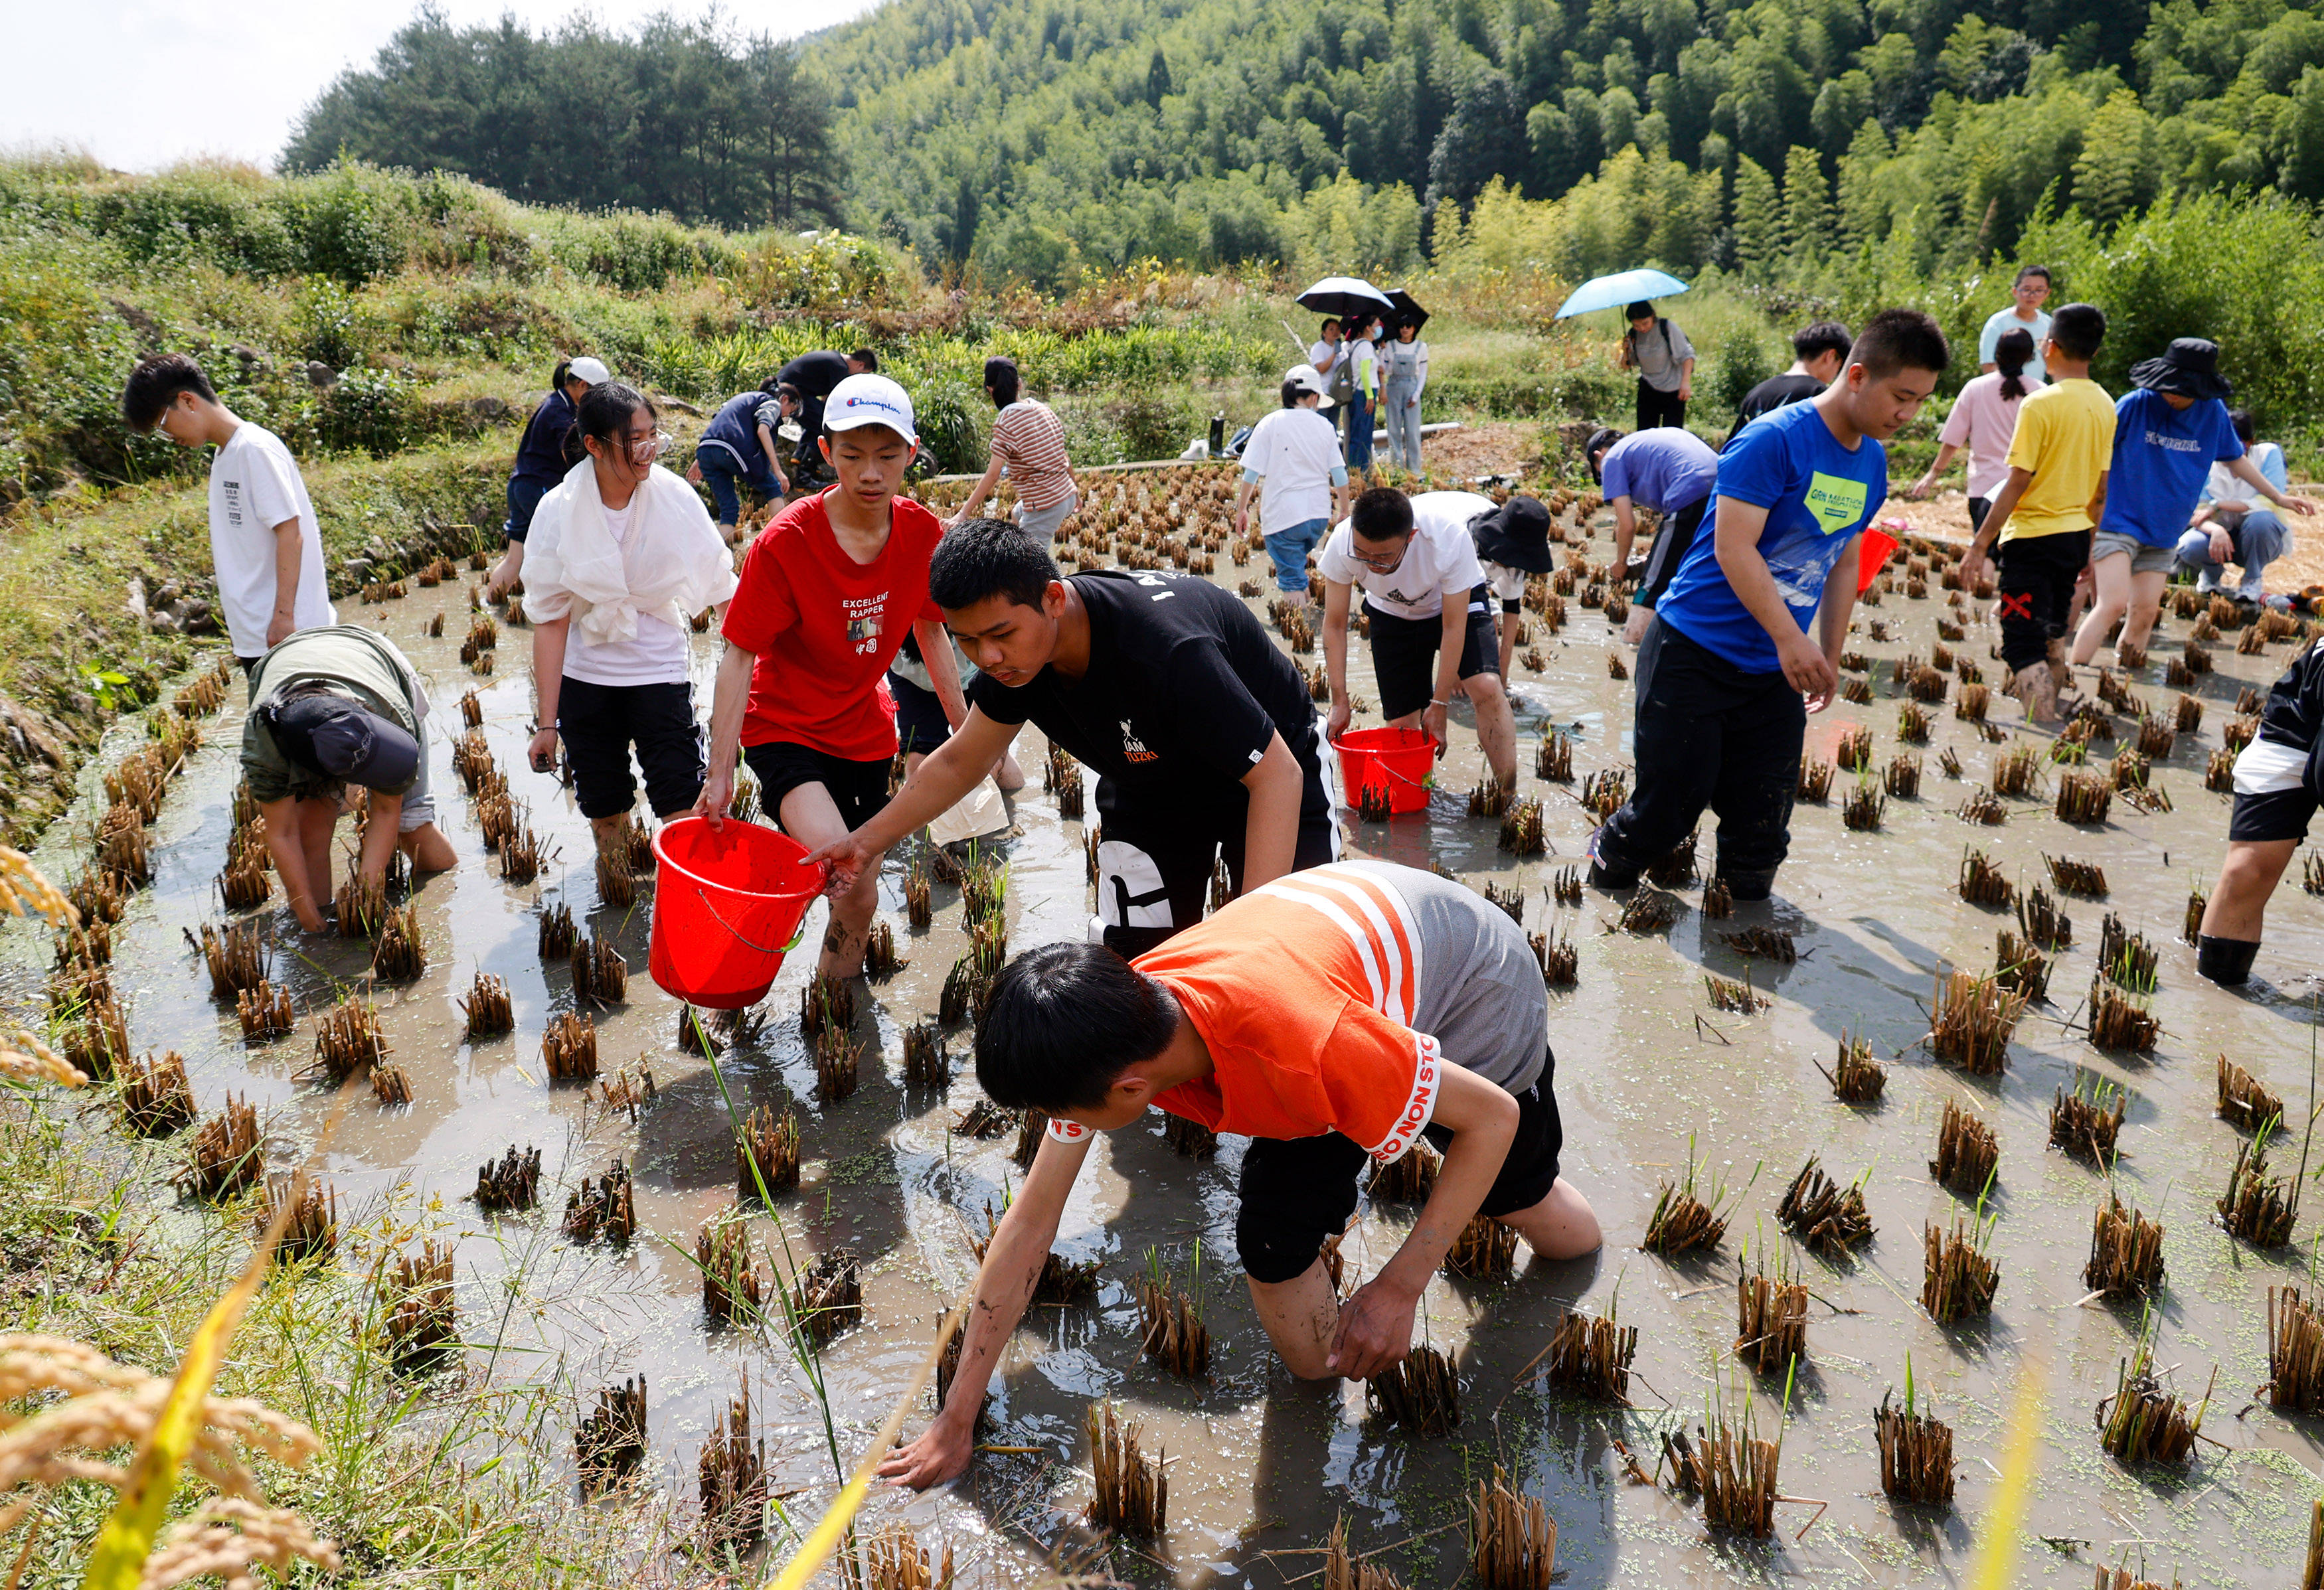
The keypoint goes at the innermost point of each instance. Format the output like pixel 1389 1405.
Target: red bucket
pixel 728 903
pixel 1877 545
pixel 1397 760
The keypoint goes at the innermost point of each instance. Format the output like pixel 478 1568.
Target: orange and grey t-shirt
pixel 1328 997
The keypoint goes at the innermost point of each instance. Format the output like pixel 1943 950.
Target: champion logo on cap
pixel 863 402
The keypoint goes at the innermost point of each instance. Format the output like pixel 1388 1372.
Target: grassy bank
pixel 67 608
pixel 432 1482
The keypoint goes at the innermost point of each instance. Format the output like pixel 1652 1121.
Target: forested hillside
pixel 691 118
pixel 1037 135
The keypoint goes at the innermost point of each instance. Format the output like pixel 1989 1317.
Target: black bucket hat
pixel 332 735
pixel 1515 535
pixel 2189 368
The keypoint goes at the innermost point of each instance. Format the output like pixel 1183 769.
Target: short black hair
pixel 157 380
pixel 1644 309
pixel 985 557
pixel 1331 323
pixel 1000 378
pixel 2025 271
pixel 1064 1021
pixel 866 358
pixel 2078 329
pixel 1823 337
pixel 1382 512
pixel 1600 439
pixel 1901 339
pixel 2246 428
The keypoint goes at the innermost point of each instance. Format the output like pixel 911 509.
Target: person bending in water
pixel 1336 1017
pixel 2279 780
pixel 1200 732
pixel 330 707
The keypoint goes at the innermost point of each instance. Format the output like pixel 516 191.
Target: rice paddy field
pixel 2018 1204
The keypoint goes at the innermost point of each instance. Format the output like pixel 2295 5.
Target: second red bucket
pixel 728 903
pixel 1399 762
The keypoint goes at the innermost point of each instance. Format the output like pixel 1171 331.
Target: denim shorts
pixel 2144 559
pixel 1289 547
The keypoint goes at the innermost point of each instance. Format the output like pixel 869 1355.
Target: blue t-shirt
pixel 1665 468
pixel 1818 495
pixel 2161 458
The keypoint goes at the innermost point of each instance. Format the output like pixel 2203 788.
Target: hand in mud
pixel 940 1454
pixel 1375 1330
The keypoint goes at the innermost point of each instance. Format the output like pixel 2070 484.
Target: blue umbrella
pixel 1624 287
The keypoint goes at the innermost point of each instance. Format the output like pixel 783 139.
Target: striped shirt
pixel 1027 437
pixel 1328 998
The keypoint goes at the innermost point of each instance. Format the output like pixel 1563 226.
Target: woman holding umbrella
pixel 1403 375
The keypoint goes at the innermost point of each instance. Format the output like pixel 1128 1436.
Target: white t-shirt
pixel 1441 560
pixel 2005 320
pixel 255 485
pixel 658 655
pixel 1293 452
pixel 1321 355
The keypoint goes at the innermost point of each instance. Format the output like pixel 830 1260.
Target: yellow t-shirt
pixel 2065 435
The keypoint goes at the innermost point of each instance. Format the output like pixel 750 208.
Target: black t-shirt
pixel 1183 691
pixel 2293 713
pixel 1775 392
pixel 813 374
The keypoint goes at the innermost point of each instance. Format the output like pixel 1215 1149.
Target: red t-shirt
pixel 1303 991
pixel 824 628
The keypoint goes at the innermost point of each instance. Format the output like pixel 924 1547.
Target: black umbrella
pixel 1341 297
pixel 1408 311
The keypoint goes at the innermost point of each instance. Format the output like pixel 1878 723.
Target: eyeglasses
pixel 646 449
pixel 1380 563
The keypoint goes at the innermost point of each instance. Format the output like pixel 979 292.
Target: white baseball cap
pixel 592 370
pixel 1308 379
pixel 869 400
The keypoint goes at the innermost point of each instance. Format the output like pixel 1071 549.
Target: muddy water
pixel 1261 1466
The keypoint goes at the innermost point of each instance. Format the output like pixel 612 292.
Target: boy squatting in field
pixel 1335 1017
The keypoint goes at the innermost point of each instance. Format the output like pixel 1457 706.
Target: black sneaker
pixel 1602 877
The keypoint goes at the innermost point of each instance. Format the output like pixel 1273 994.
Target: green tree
pixel 1807 205
pixel 2114 172
pixel 2303 164
pixel 1759 221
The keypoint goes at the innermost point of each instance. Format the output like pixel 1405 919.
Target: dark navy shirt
pixel 540 455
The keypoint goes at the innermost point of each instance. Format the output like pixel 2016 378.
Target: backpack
pixel 1339 381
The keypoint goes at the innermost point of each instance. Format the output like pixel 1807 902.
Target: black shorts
pixel 1297 1193
pixel 920 723
pixel 859 789
pixel 2278 814
pixel 1153 877
pixel 600 722
pixel 1404 653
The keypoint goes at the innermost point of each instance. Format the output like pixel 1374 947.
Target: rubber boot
pixel 2038 689
pixel 2226 961
pixel 1748 887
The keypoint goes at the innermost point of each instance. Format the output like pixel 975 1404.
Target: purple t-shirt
pixel 1665 469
